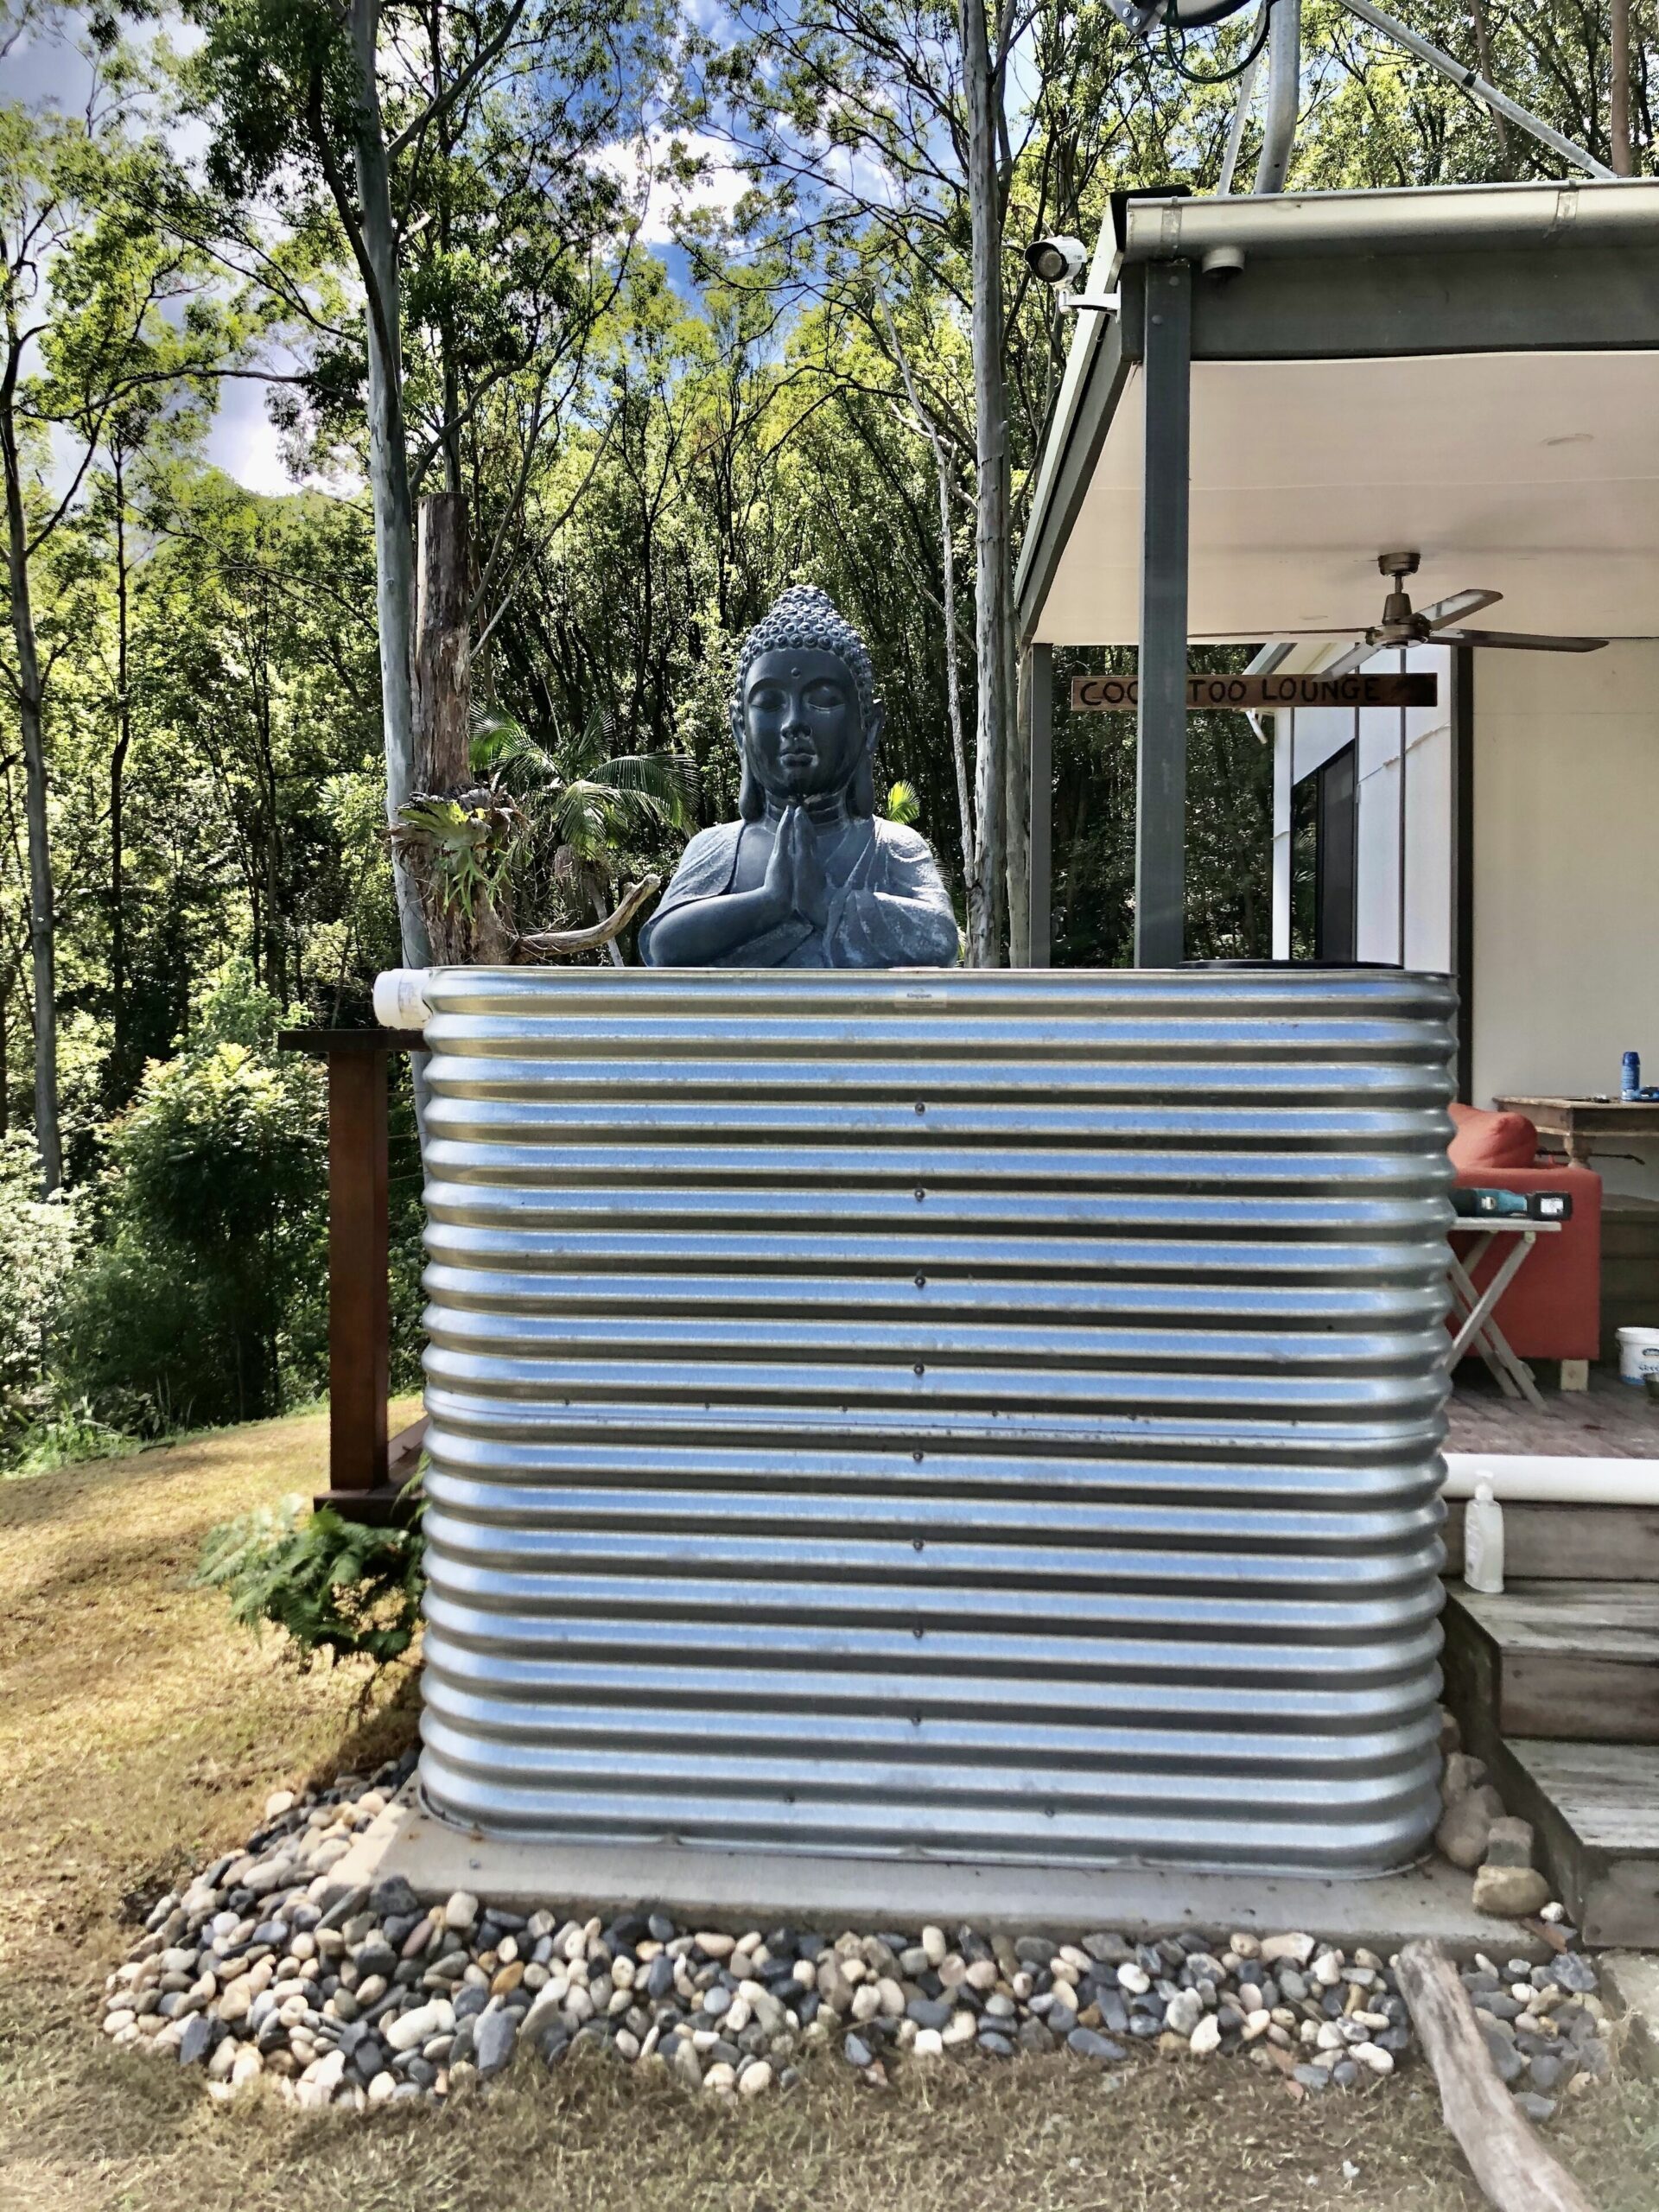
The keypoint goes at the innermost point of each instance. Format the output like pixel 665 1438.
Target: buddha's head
pixel 805 711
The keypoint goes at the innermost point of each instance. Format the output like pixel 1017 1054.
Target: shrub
pixel 41 1244
pixel 205 1299
pixel 329 1584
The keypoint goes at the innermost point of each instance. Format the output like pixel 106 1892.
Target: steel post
pixel 1161 762
pixel 1039 755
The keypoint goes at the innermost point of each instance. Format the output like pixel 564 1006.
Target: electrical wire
pixel 1178 59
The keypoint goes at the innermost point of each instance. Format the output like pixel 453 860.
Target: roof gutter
pixel 1449 218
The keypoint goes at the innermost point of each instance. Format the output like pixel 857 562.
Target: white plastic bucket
pixel 1638 1355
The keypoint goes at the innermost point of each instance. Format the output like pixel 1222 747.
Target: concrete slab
pixel 738 1891
pixel 1630 1983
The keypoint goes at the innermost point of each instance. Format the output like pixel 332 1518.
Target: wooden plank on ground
pixel 1506 2157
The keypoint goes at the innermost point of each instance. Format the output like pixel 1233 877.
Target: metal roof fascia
pixel 1079 361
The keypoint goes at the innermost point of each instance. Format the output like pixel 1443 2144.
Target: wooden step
pixel 1595 1807
pixel 1575 1661
pixel 1570 1543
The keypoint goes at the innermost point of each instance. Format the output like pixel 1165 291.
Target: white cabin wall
pixel 1567 877
pixel 1307 737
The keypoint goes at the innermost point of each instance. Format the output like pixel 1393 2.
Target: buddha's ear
pixel 751 798
pixel 861 800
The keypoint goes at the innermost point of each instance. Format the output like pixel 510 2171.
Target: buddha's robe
pixel 888 904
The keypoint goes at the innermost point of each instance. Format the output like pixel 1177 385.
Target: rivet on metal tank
pixel 1121 1543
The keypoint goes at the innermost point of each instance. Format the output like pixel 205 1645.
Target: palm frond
pixel 670 780
pixel 586 748
pixel 498 741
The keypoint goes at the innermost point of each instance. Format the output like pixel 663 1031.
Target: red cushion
pixel 1552 1308
pixel 1485 1140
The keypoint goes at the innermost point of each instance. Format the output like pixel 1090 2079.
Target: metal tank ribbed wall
pixel 987 1414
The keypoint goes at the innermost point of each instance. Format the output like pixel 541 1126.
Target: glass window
pixel 1324 874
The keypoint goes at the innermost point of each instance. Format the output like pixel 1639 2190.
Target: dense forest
pixel 689 304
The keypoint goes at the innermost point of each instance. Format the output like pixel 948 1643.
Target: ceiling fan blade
pixel 1460 603
pixel 1522 641
pixel 1355 657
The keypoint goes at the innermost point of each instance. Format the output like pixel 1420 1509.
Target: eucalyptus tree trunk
pixel 993 594
pixel 974 884
pixel 442 664
pixel 394 519
pixel 1618 114
pixel 119 753
pixel 31 693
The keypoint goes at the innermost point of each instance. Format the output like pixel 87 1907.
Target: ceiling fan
pixel 1442 624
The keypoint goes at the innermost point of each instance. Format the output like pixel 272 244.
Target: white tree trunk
pixel 992 590
pixel 973 883
pixel 394 520
pixel 42 927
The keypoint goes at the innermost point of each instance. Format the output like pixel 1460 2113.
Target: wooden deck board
pixel 1562 1660
pixel 1597 1806
pixel 1586 1620
pixel 1570 1543
pixel 1609 1421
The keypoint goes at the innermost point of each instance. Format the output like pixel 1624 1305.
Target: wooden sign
pixel 1107 694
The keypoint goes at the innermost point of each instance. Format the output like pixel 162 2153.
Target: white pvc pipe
pixel 1539 1479
pixel 400 998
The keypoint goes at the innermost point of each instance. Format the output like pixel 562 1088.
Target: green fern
pixel 329 1584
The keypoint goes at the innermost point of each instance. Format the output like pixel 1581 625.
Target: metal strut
pixel 1480 87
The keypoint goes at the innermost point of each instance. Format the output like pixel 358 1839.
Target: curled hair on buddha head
pixel 805 616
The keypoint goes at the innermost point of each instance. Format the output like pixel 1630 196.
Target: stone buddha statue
pixel 810 877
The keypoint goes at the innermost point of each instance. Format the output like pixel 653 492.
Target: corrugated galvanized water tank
pixel 985 1415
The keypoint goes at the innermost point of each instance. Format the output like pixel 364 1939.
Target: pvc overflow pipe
pixel 400 998
pixel 1284 94
pixel 1526 1479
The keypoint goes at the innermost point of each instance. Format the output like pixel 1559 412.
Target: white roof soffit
pixel 1534 474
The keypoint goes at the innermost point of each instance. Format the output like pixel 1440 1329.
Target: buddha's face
pixel 804 732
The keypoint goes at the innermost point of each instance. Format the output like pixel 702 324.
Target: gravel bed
pixel 262 1969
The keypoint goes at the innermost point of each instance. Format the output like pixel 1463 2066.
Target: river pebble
pixel 265 1968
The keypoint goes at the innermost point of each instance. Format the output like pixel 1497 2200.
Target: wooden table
pixel 1578 1124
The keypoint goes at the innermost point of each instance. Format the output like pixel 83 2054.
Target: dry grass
pixel 139 1734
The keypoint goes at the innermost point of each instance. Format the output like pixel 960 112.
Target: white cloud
pixel 243 441
pixel 642 165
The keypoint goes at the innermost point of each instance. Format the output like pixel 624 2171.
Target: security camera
pixel 1057 261
pixel 1060 263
